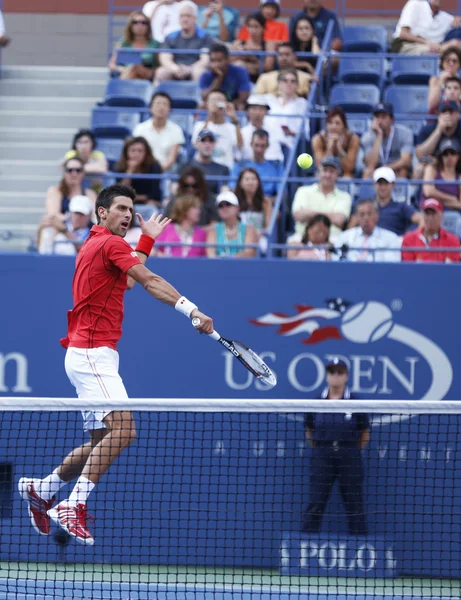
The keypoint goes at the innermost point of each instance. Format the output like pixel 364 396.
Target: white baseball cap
pixel 81 204
pixel 227 196
pixel 385 173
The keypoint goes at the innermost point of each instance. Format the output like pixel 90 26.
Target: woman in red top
pixel 275 31
pixel 255 25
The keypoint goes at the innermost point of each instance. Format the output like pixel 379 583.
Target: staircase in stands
pixel 40 110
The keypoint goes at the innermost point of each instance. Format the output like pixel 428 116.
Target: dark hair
pixel 62 186
pixel 296 42
pixel 215 48
pixel 241 195
pixel 202 186
pixel 128 32
pixel 256 16
pixel 337 111
pixel 285 45
pixel 108 194
pixel 147 163
pixel 447 52
pixel 84 133
pixel 316 219
pixel 361 201
pixel 274 3
pixel 456 79
pixel 260 133
pixel 161 95
pixel 439 161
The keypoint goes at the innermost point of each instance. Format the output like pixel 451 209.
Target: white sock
pixel 81 491
pixel 49 486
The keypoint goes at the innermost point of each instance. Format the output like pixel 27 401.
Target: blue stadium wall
pixel 222 490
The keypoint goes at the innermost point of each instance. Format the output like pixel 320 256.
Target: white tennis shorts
pixel 94 374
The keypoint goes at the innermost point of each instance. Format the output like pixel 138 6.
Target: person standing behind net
pixel 337 441
pixel 106 267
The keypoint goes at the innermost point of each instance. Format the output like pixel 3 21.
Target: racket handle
pixel 214 336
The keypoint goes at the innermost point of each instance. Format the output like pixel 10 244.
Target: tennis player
pixel 106 267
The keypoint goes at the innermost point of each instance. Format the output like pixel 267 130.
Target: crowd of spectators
pixel 219 177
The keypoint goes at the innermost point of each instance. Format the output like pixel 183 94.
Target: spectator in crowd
pixel 185 216
pixel 268 83
pixel 447 126
pixel 422 28
pixel 317 234
pixel 452 90
pixel 58 197
pixel 323 198
pixel 387 143
pixel 192 182
pixel 4 39
pixel 164 17
pixel 137 158
pixel 163 136
pixel 304 39
pixel 230 233
pixel 431 235
pixel 255 207
pixel 84 148
pixel 257 109
pixel 228 135
pixel 288 107
pixel 233 81
pixel 189 65
pixel 337 442
pixel 319 17
pixel 205 144
pixel 255 23
pixel 274 30
pixel 337 140
pixel 393 216
pixel 66 237
pixel 137 34
pixel 218 20
pixel 367 235
pixel 270 173
pixel 450 64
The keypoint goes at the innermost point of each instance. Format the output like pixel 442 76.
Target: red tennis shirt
pixel 99 284
pixel 416 239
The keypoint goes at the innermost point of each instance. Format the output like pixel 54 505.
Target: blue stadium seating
pixel 184 94
pixel 369 69
pixel 112 149
pixel 364 39
pixel 407 99
pixel 366 191
pixel 355 97
pixel 113 123
pixel 413 70
pixel 358 123
pixel 124 92
pixel 413 124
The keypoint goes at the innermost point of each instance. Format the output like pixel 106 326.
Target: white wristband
pixel 184 306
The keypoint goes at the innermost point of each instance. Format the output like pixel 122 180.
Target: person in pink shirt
pixel 185 217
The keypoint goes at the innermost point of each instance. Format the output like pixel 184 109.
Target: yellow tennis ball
pixel 305 161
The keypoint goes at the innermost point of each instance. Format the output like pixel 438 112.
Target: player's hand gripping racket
pixel 247 357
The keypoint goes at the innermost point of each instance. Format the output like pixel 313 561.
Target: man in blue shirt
pixel 266 169
pixel 337 441
pixel 186 65
pixel 231 80
pixel 319 16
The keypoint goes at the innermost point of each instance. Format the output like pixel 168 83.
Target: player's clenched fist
pixel 206 323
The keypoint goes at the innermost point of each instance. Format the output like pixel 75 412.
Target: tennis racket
pixel 247 357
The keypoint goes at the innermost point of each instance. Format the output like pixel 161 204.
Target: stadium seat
pixel 364 39
pixel 407 99
pixel 366 191
pixel 369 69
pixel 112 149
pixel 358 123
pixel 355 98
pixel 108 123
pixel 184 94
pixel 413 70
pixel 413 124
pixel 125 92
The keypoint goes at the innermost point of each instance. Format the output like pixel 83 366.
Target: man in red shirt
pixel 106 267
pixel 431 235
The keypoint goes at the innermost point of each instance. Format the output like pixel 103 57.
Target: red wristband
pixel 145 244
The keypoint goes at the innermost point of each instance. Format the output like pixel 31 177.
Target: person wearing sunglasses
pixel 337 442
pixel 450 65
pixel 446 169
pixel 230 233
pixel 192 182
pixel 137 34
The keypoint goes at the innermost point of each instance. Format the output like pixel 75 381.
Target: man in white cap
pixel 67 237
pixel 257 109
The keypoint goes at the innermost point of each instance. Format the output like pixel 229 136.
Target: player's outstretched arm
pixel 166 293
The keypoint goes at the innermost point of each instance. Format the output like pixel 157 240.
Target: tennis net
pixel 241 499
